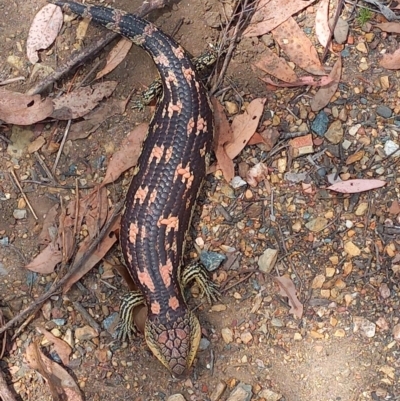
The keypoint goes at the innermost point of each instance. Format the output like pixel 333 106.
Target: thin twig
pixel 23 193
pixel 11 80
pixel 245 14
pixel 332 28
pixel 83 312
pixel 56 286
pixel 5 139
pixel 47 184
pixel 61 146
pixel 91 51
pixel 44 166
pixel 6 394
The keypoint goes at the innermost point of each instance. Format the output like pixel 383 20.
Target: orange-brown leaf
pixel 322 29
pixel 116 55
pixel 271 13
pixel 127 156
pixel 103 247
pixel 223 134
pixel 19 109
pixel 391 61
pixel 276 66
pixel 324 94
pixel 81 101
pixel 287 289
pixel 298 47
pixel 44 29
pixel 61 384
pixel 244 126
pixel 47 260
pixel 63 349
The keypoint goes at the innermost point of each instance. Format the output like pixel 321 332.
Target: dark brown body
pixel 165 187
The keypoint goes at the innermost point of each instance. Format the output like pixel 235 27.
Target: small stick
pixel 84 313
pixel 79 58
pixel 61 146
pixel 23 325
pixel 56 286
pixel 76 208
pixel 6 394
pixel 44 166
pixel 11 80
pixel 5 139
pixel 23 193
pixel 48 184
pixel 244 16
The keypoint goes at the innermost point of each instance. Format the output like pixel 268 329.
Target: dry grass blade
pixel 231 35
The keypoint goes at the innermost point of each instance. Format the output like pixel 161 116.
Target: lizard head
pixel 175 344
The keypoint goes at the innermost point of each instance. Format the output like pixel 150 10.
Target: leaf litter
pixel 287 289
pixel 115 57
pixel 61 384
pixel 82 100
pixel 93 210
pixel 19 109
pixel 43 31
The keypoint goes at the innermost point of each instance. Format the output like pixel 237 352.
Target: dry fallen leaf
pixel 47 260
pixel 391 27
pixel 276 66
pixel 322 29
pixel 257 174
pixel 244 126
pixel 95 118
pixel 81 101
pixel 357 185
pixel 116 55
pixel 109 239
pixel 49 228
pixel 301 81
pixel 61 347
pixel 44 29
pixel 298 47
pixel 127 156
pixel 19 109
pixel 287 289
pixel 355 157
pixel 391 61
pixel 222 136
pixel 324 94
pixel 61 384
pixel 271 13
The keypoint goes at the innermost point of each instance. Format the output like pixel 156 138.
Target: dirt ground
pixel 344 346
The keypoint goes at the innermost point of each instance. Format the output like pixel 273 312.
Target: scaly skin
pixel 164 189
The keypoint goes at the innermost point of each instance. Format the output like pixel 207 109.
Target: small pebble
pixel 364 326
pixel 246 337
pixel 218 391
pixel 352 249
pixel 242 392
pixel 384 111
pixel 335 132
pixel 390 148
pixel 176 397
pixel 204 344
pixel 346 144
pixel 85 333
pixel 20 214
pixel 269 395
pixel 227 335
pixel 320 123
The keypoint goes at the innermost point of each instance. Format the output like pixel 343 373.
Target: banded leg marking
pixel 154 91
pixel 126 326
pixel 196 271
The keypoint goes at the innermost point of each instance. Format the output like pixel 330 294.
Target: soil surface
pixel 344 269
